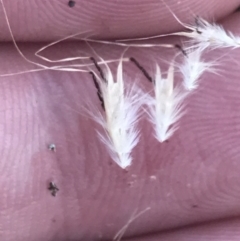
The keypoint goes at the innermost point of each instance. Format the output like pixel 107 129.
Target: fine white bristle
pixel 166 108
pixel 133 217
pixel 42 67
pixel 193 67
pixel 121 116
pixel 146 45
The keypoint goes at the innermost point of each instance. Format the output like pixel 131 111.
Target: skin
pixel 190 183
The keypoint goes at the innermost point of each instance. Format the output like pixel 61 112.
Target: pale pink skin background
pixel 195 191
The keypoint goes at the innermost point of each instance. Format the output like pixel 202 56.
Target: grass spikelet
pixel 193 67
pixel 202 34
pixel 121 116
pixel 166 108
pixel 205 34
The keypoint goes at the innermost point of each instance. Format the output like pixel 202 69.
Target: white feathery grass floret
pixel 202 34
pixel 121 116
pixel 193 68
pixel 166 108
pixel 205 34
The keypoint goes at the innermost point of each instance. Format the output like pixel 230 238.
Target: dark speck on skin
pixel 71 3
pixel 53 188
pixel 238 9
pixel 194 206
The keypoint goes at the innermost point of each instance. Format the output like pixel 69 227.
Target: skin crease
pixel 190 183
pixel 39 20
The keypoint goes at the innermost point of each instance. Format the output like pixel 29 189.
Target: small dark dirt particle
pixel 52 147
pixel 53 188
pixel 71 3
